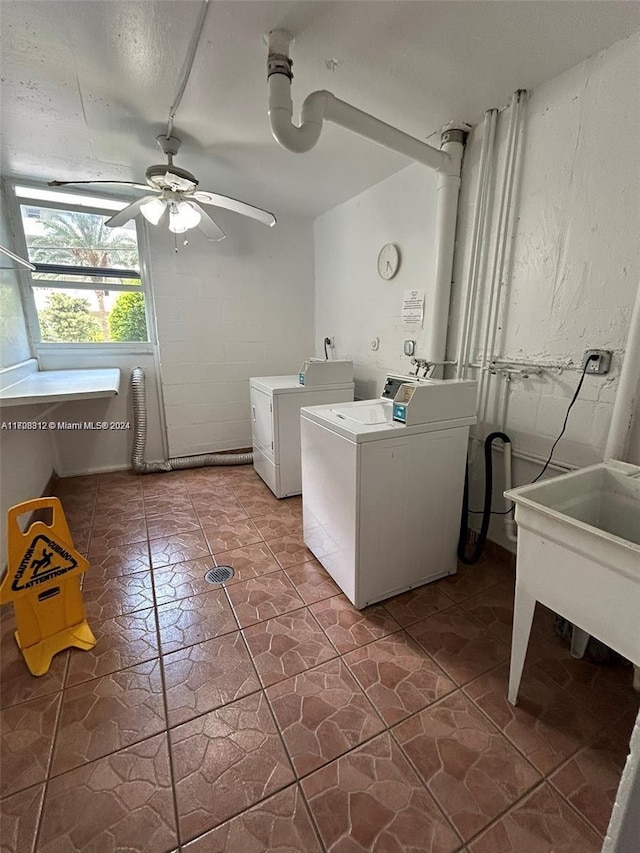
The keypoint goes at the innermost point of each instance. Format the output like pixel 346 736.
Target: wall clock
pixel 388 261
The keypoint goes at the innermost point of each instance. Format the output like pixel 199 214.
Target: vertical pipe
pixel 477 234
pixel 504 234
pixel 446 215
pixel 628 394
pixel 506 241
pixel 509 522
pixel 486 356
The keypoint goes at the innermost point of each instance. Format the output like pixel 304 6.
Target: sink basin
pixel 597 508
pixel 579 554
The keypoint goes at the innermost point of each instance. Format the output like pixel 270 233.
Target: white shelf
pixel 25 385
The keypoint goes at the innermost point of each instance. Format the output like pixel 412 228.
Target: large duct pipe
pixel 324 106
pixel 178 463
pixel 447 160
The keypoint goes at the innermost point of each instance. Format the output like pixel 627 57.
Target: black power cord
pixel 486 511
pixel 566 417
pixel 327 342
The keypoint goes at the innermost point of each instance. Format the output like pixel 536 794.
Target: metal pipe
pixel 509 521
pixel 487 357
pixel 357 121
pixel 447 161
pixel 323 105
pixel 477 241
pixel 505 233
pixel 505 227
pixel 446 216
pixel 627 401
pixel 539 365
pixel 177 463
pixel 21 261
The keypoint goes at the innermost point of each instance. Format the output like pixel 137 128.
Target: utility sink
pixel 579 554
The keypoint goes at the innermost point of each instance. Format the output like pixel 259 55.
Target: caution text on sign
pixel 44 560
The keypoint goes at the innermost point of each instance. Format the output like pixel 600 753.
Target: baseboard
pixel 108 469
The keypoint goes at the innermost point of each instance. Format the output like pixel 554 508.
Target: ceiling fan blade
pixel 233 204
pixel 209 227
pixel 128 212
pixel 110 183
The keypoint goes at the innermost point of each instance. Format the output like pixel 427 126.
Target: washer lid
pixel 369 413
pixel 371 420
pixel 291 385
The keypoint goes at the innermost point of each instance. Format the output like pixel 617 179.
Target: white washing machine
pixel 382 497
pixel 275 420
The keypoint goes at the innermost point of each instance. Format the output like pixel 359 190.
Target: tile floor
pixel 270 715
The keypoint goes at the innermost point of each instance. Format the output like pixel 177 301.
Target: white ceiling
pixel 87 84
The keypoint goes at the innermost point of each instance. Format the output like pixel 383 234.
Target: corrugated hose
pixel 178 463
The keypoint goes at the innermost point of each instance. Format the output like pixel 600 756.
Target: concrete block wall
pixel 576 264
pixel 225 312
pixel 576 260
pixel 353 304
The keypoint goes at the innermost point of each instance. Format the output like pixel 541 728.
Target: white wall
pixel 353 304
pixel 26 458
pixel 227 311
pixel 14 343
pixel 90 451
pixel 576 261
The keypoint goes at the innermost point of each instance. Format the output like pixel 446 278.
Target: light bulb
pixel 182 217
pixel 153 210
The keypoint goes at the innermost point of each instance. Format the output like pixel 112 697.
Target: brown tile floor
pixel 269 714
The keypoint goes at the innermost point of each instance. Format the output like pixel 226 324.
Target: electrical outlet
pixel 330 341
pixel 599 363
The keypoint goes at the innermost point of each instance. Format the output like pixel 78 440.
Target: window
pixel 87 286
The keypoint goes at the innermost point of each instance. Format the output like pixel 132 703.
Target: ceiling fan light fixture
pixel 182 217
pixel 153 210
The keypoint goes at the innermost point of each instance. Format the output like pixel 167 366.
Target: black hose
pixel 486 510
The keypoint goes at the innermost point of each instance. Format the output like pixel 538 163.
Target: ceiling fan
pixel 177 201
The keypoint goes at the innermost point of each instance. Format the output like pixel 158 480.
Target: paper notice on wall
pixel 413 309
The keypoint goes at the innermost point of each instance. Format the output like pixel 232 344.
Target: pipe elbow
pixel 451 161
pixel 296 139
pixel 302 138
pixel 314 107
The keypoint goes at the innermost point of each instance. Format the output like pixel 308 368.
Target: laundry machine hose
pixel 486 509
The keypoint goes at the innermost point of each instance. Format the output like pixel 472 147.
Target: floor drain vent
pixel 219 574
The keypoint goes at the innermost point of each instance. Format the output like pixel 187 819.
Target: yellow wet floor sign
pixel 43 584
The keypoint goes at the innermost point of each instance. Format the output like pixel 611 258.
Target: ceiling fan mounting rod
pixel 170 146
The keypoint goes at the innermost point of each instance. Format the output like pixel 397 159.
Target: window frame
pixel 28 284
